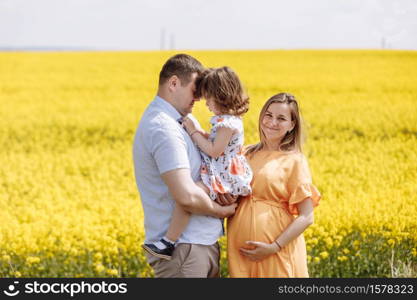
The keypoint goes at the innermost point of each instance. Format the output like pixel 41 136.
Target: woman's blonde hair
pixel 293 139
pixel 224 86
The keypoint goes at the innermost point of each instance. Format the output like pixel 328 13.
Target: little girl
pixel 224 169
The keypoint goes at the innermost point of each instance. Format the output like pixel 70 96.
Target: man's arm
pixel 191 197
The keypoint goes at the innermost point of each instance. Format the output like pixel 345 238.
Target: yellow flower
pixel 356 244
pixel 317 259
pixel 324 254
pixel 414 252
pixel 98 256
pixel 99 268
pixel 342 258
pixel 391 242
pixel 338 237
pixel 112 272
pixel 346 251
pixel 329 242
pixel 314 241
pixel 6 258
pixel 74 252
pixel 32 260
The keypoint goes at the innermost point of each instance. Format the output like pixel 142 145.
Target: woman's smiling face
pixel 276 122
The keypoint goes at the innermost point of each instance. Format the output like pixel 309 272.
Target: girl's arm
pixel 304 219
pixel 216 148
pixel 203 133
pixel 192 125
pixel 213 149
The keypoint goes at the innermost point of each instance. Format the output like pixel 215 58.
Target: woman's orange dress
pixel 280 181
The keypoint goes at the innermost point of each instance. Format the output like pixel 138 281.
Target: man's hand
pixel 226 199
pixel 226 211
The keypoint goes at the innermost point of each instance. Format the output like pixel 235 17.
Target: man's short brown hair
pixel 181 65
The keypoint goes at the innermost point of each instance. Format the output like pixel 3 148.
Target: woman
pixel 264 237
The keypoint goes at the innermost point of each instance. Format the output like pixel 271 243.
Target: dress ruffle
pixel 302 192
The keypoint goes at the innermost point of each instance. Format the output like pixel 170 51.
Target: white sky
pixel 208 24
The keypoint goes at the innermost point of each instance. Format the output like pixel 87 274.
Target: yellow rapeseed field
pixel 68 200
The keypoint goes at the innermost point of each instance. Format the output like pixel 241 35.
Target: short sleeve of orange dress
pixel 300 186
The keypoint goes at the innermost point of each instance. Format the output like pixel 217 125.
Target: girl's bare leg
pixel 180 219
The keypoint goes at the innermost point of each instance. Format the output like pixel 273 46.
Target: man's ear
pixel 173 82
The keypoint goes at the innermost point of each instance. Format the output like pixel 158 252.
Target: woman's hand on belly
pixel 259 250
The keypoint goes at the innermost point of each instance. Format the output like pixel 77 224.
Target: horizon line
pixel 92 49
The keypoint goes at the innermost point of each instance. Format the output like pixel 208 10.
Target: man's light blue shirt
pixel 161 144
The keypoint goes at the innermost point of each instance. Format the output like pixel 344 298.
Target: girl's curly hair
pixel 223 85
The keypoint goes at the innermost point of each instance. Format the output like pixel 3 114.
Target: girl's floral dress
pixel 230 172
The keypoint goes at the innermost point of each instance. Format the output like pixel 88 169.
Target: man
pixel 167 165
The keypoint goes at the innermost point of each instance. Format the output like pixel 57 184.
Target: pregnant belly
pixel 257 221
